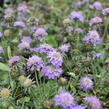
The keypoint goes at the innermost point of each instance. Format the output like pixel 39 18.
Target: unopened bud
pixel 5 93
pixel 22 79
pixel 62 81
pixel 7 32
pixel 47 104
pixel 27 82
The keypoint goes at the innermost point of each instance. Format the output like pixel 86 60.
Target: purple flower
pixel 64 99
pixel 86 83
pixel 78 4
pixel 44 48
pixel 106 11
pixel 35 62
pixel 51 72
pixel 40 33
pixel 96 5
pixel 79 30
pixel 77 107
pixel 95 20
pixel 19 24
pixel 24 45
pixel 1 50
pixel 26 39
pixel 94 102
pixel 55 58
pixel 1 34
pixel 22 7
pixel 92 37
pixel 76 15
pixel 13 60
pixel 64 47
pixel 8 13
pixel 70 28
pixel 97 55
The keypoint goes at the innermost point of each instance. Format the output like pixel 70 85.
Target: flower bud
pixel 5 93
pixel 62 81
pixel 47 104
pixel 7 32
pixel 65 21
pixel 27 82
pixel 22 79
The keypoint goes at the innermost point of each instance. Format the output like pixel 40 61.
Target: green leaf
pixel 51 40
pixel 4 67
pixel 24 100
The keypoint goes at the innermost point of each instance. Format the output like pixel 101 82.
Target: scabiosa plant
pixel 51 72
pixel 76 15
pixel 105 11
pixel 19 24
pixel 64 99
pixel 26 39
pixel 35 63
pixel 13 60
pixel 55 58
pixel 96 5
pixel 86 83
pixel 92 37
pixel 24 45
pixel 40 33
pixel 97 55
pixel 94 102
pixel 44 48
pixel 95 20
pixel 64 47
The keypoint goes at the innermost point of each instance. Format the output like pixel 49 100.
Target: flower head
pixel 34 62
pixel 96 5
pixel 92 37
pixel 51 72
pixel 19 24
pixel 95 20
pixel 64 47
pixel 64 99
pixel 76 15
pixel 26 39
pixel 79 30
pixel 44 48
pixel 40 33
pixel 86 83
pixel 97 55
pixel 22 7
pixel 94 102
pixel 106 11
pixel 8 13
pixel 24 45
pixel 4 93
pixel 13 60
pixel 55 58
